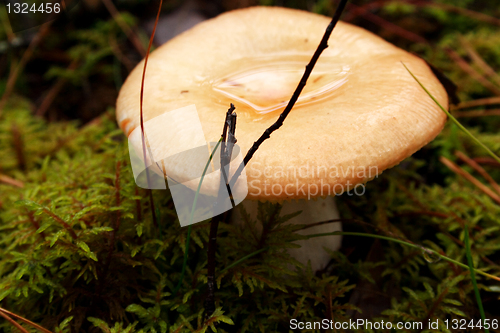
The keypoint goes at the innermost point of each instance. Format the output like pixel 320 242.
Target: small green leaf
pixel 137 309
pixel 98 230
pixel 83 246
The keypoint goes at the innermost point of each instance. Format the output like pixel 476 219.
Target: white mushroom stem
pixel 313 211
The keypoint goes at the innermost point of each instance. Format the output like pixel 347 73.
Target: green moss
pixel 77 241
pixel 79 251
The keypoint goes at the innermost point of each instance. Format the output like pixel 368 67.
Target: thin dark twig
pixel 228 133
pixel 231 122
pixel 210 300
pixel 227 151
pixel 267 133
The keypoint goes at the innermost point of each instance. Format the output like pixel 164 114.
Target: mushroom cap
pixel 360 113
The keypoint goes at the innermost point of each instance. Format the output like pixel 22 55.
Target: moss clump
pixel 78 242
pixel 79 251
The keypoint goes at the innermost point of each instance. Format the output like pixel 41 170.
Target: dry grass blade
pixel 11 81
pixel 466 67
pixel 11 181
pixel 126 29
pixel 141 104
pixel 476 58
pixel 119 54
pixel 479 169
pixel 6 25
pixel 7 314
pixel 54 91
pixel 407 243
pixel 487 161
pixel 463 11
pixel 476 113
pixel 389 26
pixel 13 322
pixel 478 102
pixel 449 8
pixel 461 172
pixel 471 71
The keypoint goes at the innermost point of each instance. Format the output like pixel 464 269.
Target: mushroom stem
pixel 313 211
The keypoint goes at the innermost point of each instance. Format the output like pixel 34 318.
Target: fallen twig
pixel 267 133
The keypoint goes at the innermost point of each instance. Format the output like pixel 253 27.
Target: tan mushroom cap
pixel 361 111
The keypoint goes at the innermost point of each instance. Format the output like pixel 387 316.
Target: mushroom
pixel 359 114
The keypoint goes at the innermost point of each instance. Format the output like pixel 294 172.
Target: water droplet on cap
pixel 265 84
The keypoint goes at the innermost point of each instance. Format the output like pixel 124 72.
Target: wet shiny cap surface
pixel 360 113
